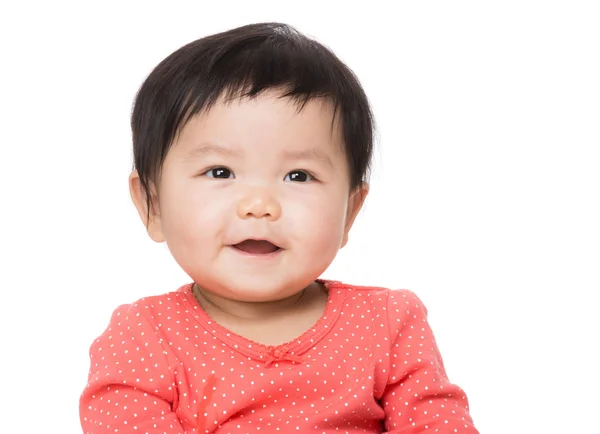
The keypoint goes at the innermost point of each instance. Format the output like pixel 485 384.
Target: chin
pixel 258 289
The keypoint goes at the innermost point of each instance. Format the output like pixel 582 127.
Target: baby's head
pixel 251 149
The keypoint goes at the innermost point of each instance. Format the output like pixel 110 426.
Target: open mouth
pixel 257 247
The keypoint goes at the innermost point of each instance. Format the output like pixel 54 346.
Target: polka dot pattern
pixel 369 365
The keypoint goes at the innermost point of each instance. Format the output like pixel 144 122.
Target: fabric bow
pixel 275 354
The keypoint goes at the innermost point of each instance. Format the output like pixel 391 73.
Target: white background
pixel 485 195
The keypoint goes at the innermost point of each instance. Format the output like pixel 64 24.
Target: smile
pixel 257 247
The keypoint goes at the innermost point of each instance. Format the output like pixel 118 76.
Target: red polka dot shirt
pixel 369 365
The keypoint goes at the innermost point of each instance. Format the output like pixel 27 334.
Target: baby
pixel 252 150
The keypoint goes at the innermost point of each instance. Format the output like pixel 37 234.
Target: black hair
pixel 243 62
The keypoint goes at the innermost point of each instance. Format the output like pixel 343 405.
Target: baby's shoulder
pixel 153 307
pixel 165 301
pixel 373 292
pixel 397 309
pixel 393 300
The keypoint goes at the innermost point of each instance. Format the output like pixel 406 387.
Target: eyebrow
pixel 211 149
pixel 309 154
pixel 305 154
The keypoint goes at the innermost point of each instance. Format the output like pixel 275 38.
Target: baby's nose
pixel 259 204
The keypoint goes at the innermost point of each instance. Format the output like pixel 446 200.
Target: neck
pixel 248 311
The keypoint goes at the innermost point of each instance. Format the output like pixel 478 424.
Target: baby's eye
pixel 219 173
pixel 299 176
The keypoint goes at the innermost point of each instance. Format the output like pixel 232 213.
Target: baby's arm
pixel 130 386
pixel 419 397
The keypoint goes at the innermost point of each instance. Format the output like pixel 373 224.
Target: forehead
pixel 265 123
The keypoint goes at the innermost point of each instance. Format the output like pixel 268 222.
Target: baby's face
pixel 256 170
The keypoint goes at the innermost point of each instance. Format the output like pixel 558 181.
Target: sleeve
pixel 418 397
pixel 130 386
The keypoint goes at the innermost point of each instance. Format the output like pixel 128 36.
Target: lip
pixel 271 255
pixel 269 240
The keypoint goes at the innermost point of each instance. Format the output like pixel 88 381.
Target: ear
pixel 355 203
pixel 153 224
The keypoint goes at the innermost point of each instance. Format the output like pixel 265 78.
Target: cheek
pixel 195 214
pixel 319 218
